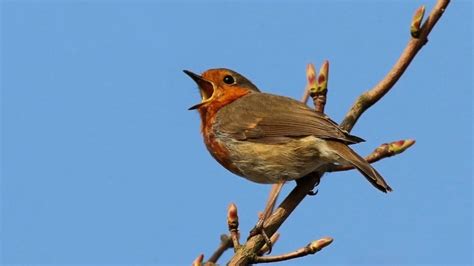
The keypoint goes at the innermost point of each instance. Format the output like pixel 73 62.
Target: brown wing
pixel 268 118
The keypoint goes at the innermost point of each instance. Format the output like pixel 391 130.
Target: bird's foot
pixel 260 230
pixel 312 192
pixel 259 227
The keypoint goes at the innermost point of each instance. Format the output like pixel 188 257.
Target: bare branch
pixel 370 97
pixel 255 243
pixel 226 243
pixel 305 96
pixel 310 249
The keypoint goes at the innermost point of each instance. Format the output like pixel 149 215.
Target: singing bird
pixel 268 138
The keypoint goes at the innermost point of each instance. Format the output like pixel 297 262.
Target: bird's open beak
pixel 206 88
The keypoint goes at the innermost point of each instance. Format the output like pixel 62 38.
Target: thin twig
pixel 226 243
pixel 310 249
pixel 305 96
pixel 370 97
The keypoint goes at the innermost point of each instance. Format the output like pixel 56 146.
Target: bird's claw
pixel 312 192
pixel 259 230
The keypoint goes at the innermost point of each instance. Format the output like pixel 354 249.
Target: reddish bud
pixel 317 245
pixel 198 260
pixel 311 77
pixel 311 74
pixel 400 146
pixel 323 77
pixel 232 217
pixel 232 212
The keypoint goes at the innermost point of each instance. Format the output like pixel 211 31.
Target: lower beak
pixel 206 88
pixel 196 106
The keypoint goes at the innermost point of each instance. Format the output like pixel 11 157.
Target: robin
pixel 267 138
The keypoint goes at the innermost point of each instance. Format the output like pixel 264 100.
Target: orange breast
pixel 218 151
pixel 208 117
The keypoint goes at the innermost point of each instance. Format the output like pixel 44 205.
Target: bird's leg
pixel 269 207
pixel 272 198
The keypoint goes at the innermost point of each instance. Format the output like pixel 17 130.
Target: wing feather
pixel 259 117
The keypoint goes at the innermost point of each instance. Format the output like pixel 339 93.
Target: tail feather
pixel 351 157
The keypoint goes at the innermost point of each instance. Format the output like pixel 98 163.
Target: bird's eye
pixel 229 79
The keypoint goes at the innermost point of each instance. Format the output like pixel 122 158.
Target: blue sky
pixel 103 164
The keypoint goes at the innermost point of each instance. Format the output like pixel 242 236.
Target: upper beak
pixel 206 88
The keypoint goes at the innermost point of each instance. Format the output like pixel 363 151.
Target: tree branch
pixel 244 255
pixel 310 249
pixel 370 97
pixel 226 243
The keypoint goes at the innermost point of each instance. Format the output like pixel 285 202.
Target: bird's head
pixel 220 86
